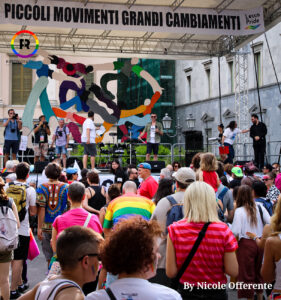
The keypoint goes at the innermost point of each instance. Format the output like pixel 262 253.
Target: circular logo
pixel 24 43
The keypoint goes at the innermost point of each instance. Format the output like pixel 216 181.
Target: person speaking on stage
pixel 258 132
pixel 154 132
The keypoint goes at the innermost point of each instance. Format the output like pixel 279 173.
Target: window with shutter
pixel 21 84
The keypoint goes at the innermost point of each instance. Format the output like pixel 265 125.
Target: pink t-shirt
pixel 76 216
pixel 148 187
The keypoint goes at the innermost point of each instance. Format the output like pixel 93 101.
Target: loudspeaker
pixel 156 165
pixel 240 162
pixel 40 166
pixel 194 141
pixel 188 157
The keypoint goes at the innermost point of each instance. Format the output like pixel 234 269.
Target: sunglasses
pixel 90 254
pixel 153 116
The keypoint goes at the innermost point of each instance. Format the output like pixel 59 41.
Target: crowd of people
pixel 181 236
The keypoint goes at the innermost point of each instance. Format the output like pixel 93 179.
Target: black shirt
pixel 258 130
pixel 41 132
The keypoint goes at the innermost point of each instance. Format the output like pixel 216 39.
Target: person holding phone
pixel 154 132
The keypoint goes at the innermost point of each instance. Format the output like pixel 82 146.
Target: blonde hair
pixel 208 162
pixel 200 203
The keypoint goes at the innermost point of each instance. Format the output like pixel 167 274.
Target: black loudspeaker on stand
pixel 193 145
pixel 156 165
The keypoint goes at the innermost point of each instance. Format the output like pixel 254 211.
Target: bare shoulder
pixel 70 293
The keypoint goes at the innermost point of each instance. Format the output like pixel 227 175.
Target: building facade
pixel 197 93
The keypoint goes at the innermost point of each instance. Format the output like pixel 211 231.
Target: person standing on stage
pixel 41 132
pixel 88 139
pixel 61 137
pixel 228 138
pixel 258 132
pixel 154 131
pixel 11 135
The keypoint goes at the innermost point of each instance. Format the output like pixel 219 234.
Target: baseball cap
pixel 144 166
pixel 185 175
pixel 71 171
pixel 237 172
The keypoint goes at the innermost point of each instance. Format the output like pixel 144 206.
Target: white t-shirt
pixel 88 124
pixel 241 222
pixel 136 289
pixel 230 135
pixel 30 201
pixel 152 134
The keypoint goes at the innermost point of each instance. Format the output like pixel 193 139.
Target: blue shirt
pixel 9 135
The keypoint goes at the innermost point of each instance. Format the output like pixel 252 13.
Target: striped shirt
pixel 207 263
pixel 126 206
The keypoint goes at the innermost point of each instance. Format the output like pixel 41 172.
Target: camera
pixel 45 123
pixel 15 116
pixel 13 130
pixel 60 133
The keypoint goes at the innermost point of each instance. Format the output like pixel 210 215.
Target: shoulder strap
pixel 172 200
pixel 261 214
pixel 222 193
pixel 90 190
pixel 87 220
pixel 110 294
pixel 192 252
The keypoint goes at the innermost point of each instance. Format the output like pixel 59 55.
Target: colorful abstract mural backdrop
pixel 72 79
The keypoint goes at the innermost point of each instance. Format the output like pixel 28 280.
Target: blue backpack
pixel 174 214
pixel 267 204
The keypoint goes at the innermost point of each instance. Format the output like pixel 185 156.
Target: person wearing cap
pixel 183 177
pixel 149 185
pixel 237 175
pixel 72 175
pixel 61 138
pixel 154 132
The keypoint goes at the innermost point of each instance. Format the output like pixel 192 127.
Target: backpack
pixel 8 227
pixel 266 204
pixel 174 214
pixel 63 129
pixel 18 193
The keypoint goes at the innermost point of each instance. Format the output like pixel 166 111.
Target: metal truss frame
pixel 241 96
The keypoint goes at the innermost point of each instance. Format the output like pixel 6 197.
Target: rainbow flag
pixel 4 170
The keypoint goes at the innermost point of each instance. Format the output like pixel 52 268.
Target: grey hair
pixel 76 191
pixel 166 173
pixel 10 164
pixel 129 186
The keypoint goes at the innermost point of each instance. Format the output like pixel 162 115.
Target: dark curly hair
pixel 53 171
pixel 129 248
